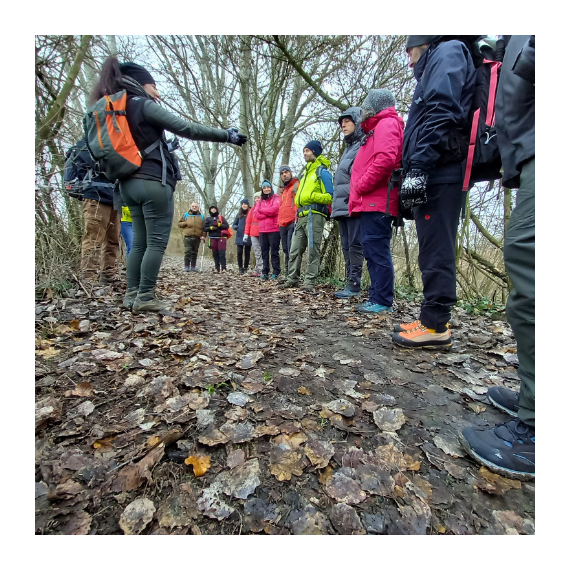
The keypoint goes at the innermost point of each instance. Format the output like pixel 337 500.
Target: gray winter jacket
pixel 515 108
pixel 342 174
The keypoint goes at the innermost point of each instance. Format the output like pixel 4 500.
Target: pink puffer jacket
pixel 267 212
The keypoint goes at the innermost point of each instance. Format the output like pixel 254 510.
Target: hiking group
pixel 471 119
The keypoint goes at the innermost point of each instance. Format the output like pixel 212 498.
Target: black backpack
pixel 76 171
pixel 80 172
pixel 483 157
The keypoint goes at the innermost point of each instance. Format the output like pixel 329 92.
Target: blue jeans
pixel 127 233
pixel 375 235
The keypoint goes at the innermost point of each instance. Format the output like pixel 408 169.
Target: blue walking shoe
pixel 374 308
pixel 274 276
pixel 264 277
pixel 346 294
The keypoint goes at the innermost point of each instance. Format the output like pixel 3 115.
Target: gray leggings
pixel 152 208
pixel 257 250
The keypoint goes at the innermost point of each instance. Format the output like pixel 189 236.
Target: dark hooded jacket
pixel 344 170
pixel 515 108
pixel 437 131
pixel 213 221
pixel 239 226
pixel 147 123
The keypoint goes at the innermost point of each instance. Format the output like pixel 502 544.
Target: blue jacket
pixel 239 226
pixel 436 137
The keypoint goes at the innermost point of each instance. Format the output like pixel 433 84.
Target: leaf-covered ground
pixel 247 409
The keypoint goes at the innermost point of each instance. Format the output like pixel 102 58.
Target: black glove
pixel 413 189
pixel 173 144
pixel 235 138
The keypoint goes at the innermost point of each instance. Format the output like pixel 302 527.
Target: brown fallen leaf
pixel 137 516
pixel 83 389
pixel 476 407
pixel 104 445
pixel 283 463
pixel 131 477
pixel 49 352
pixel 304 391
pixel 496 484
pixel 200 463
pixel 326 475
pixel 74 324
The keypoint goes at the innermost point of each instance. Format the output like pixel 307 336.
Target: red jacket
pixel 378 155
pixel 267 212
pixel 251 224
pixel 287 210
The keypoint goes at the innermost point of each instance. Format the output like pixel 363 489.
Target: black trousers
pixel 520 265
pixel 286 234
pixel 436 226
pixel 240 252
pixel 349 229
pixel 270 241
pixel 191 245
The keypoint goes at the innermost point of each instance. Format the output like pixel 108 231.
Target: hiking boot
pixel 282 278
pixel 307 287
pixel 375 308
pixel 105 279
pixel 241 271
pixel 406 327
pixel 274 277
pixel 193 268
pixel 264 277
pixel 287 285
pixel 186 268
pixel 148 303
pixel 346 293
pixel 130 297
pixel 504 399
pixel 254 274
pixel 506 449
pixel 421 337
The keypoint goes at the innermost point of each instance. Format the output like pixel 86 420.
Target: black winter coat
pixel 515 108
pixel 342 173
pixel 213 221
pixel 437 131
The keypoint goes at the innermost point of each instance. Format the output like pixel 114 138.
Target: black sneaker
pixel 504 399
pixel 506 449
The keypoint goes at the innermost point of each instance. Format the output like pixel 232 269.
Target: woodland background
pixel 281 91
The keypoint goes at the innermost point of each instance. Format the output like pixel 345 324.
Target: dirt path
pixel 302 415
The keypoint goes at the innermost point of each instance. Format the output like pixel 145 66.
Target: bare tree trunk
pixel 245 86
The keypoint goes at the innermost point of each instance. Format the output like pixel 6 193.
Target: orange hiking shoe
pixel 421 337
pixel 406 327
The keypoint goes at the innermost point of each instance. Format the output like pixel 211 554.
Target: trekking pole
pixel 202 260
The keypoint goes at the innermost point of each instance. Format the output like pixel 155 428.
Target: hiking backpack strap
pixel 489 119
pixel 394 179
pixel 144 153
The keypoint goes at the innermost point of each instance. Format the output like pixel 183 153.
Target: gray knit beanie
pixel 378 99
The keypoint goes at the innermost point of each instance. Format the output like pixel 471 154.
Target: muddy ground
pixel 246 409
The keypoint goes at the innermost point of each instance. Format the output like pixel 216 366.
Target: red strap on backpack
pixel 489 119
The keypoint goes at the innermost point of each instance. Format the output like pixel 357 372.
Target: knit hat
pixel 257 195
pixel 266 183
pixel 285 168
pixel 136 72
pixel 414 41
pixel 244 201
pixel 378 99
pixel 315 147
pixel 214 206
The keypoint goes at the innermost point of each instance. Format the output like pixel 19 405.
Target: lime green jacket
pixel 312 190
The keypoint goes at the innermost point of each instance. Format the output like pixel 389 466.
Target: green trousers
pixel 301 239
pixel 519 262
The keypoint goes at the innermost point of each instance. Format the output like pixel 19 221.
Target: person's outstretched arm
pixel 163 119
